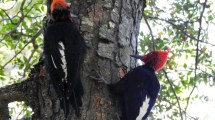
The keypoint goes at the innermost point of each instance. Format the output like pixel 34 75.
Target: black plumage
pixel 64 51
pixel 134 89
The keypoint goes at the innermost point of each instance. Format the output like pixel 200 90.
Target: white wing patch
pixel 63 59
pixel 143 109
pixel 53 62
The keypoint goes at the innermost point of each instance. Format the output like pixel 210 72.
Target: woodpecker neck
pixel 149 67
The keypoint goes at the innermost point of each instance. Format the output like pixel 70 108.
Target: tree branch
pixel 15 92
pixel 27 65
pixel 4 110
pixel 197 52
pixel 24 91
pixel 32 40
pixel 184 32
pixel 171 85
pixel 147 23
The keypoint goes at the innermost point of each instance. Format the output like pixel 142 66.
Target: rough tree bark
pixel 110 29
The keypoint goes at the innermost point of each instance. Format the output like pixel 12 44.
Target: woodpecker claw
pixel 122 72
pixel 98 79
pixel 42 73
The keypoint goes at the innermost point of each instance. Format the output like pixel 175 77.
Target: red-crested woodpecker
pixel 138 89
pixel 64 52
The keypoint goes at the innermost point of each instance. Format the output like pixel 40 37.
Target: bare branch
pixel 15 92
pixel 197 52
pixel 147 23
pixel 171 85
pixel 27 63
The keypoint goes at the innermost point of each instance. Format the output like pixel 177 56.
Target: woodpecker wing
pixel 53 57
pixel 74 50
pixel 140 88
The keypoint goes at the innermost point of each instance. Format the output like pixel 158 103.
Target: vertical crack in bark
pixel 118 32
pixel 90 101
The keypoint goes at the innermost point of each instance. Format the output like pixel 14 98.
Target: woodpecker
pixel 139 88
pixel 64 50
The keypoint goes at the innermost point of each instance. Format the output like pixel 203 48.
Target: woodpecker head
pixel 58 4
pixel 60 10
pixel 156 59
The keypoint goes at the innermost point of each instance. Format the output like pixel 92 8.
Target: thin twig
pixel 184 32
pixel 151 33
pixel 20 113
pixel 28 62
pixel 32 39
pixel 197 52
pixel 171 85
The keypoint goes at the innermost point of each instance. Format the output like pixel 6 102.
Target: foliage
pixel 20 110
pixel 20 39
pixel 183 26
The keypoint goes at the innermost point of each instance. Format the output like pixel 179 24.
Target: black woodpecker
pixel 139 88
pixel 64 50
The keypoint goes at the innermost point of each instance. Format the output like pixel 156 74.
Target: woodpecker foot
pixel 99 79
pixel 122 72
pixel 42 73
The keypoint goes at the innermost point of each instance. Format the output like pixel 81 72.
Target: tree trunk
pixel 110 29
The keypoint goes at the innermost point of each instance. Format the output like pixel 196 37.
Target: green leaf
pixel 42 8
pixel 185 65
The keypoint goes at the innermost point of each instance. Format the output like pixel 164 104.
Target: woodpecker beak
pixel 137 56
pixel 74 15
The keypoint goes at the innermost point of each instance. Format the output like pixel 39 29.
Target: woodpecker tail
pixel 74 99
pixel 76 96
pixel 64 104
